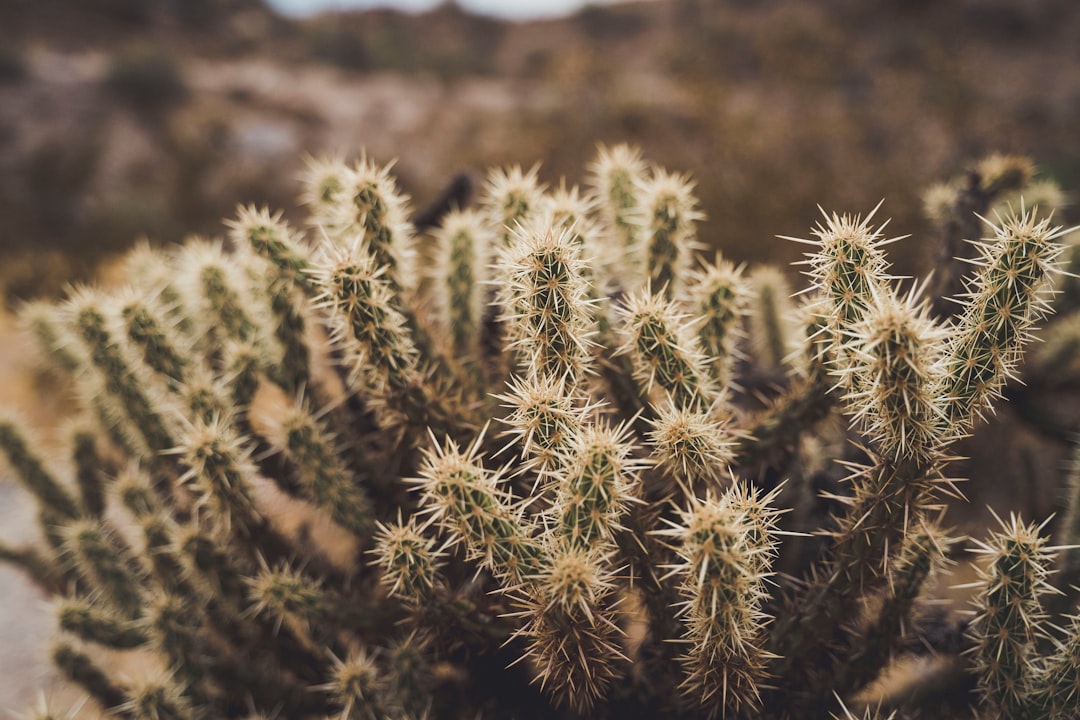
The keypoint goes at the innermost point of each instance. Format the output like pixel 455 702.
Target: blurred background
pixel 122 119
pixel 128 118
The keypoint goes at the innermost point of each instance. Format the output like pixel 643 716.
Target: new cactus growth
pixel 566 473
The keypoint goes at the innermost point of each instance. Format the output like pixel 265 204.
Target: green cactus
pixel 1009 616
pixel 542 477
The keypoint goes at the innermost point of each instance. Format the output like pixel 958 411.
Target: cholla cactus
pixel 771 319
pixel 893 351
pixel 545 303
pixel 725 546
pixel 1053 692
pixel 668 234
pixel 510 197
pixel 368 208
pixel 321 475
pixel 358 688
pixel 617 175
pixel 595 484
pixel 1007 624
pixel 464 242
pixel 465 499
pixel 691 445
pixel 719 297
pixel 548 477
pixel 996 183
pixel 848 265
pixel 545 417
pixel 571 626
pixel 410 561
pixel 667 359
pixel 1006 299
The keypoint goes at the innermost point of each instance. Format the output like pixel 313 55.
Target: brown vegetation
pixel 122 118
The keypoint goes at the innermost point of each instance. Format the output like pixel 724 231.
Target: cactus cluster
pixel 541 461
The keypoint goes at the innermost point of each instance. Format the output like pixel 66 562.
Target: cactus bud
pixel 219 472
pixel 691 445
pixel 544 417
pixel 323 186
pixel 358 687
pixel 286 595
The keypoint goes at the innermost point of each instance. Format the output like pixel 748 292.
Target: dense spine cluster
pixel 894 352
pixel 545 304
pixel 1004 301
pixel 566 468
pixel 1006 626
pixel 719 299
pixel 725 546
pixel 667 358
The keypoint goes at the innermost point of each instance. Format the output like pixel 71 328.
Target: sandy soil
pixel 26 623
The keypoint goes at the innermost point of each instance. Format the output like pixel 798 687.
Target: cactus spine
pixel 545 476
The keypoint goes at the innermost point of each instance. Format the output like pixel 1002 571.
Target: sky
pixel 514 9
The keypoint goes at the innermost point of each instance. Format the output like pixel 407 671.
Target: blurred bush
pixel 600 22
pixel 448 42
pixel 772 107
pixel 147 78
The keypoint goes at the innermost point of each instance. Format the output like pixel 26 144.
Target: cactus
pixel 1007 625
pixel 549 476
